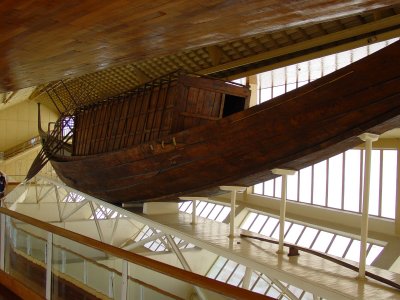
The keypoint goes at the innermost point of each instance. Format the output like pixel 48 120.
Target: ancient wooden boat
pixel 182 135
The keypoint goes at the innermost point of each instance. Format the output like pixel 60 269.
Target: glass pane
pixel 207 210
pixel 269 188
pixel 374 187
pixel 307 237
pixel 29 269
pixel 322 242
pixel 315 69
pixel 373 254
pixel 389 183
pixel 278 187
pixel 269 226
pixel 216 267
pixel 261 286
pixel 335 181
pixel 329 64
pixel 223 214
pixel 354 251
pixel 184 205
pixel 319 195
pixel 339 245
pixel 200 207
pixel 352 180
pixel 258 189
pixel 275 234
pixel 305 185
pixel 294 233
pixel 237 276
pixel 248 221
pixel 217 209
pixel 258 223
pixel 227 271
pixel 292 182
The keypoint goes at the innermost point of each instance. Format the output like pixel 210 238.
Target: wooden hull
pixel 292 131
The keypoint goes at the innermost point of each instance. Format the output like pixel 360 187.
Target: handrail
pixel 17 149
pixel 160 267
pixel 327 257
pixel 152 287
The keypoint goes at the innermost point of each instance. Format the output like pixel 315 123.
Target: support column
pixel 284 173
pixel 247 278
pixel 368 138
pixel 233 190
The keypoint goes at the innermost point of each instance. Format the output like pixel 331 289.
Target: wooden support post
pixel 284 173
pixel 368 138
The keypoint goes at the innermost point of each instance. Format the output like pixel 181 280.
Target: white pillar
pixel 368 138
pixel 284 173
pixel 247 278
pixel 233 190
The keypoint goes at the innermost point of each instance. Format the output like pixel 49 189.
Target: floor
pixel 307 271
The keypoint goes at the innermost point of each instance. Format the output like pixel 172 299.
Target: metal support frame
pixel 114 229
pixel 97 222
pixel 368 138
pixel 142 242
pixel 284 173
pixel 276 273
pixel 184 263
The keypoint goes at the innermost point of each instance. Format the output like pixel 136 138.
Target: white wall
pixel 19 123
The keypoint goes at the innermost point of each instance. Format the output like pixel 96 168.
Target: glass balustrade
pixel 57 267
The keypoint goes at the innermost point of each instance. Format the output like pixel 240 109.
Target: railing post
pixel 233 190
pixel 85 275
pixel 368 138
pixel 28 245
pixel 63 261
pixel 111 285
pixel 284 173
pixel 2 240
pixel 124 278
pixel 49 257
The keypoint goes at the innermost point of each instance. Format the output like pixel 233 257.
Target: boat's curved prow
pixel 41 159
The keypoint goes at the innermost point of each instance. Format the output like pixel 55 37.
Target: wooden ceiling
pixel 102 48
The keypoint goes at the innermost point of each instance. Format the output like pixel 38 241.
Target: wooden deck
pixel 311 273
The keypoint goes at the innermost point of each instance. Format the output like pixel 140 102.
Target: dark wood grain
pixel 292 131
pixel 42 41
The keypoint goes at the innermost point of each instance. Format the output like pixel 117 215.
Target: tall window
pixel 277 82
pixel 338 182
pixel 333 243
